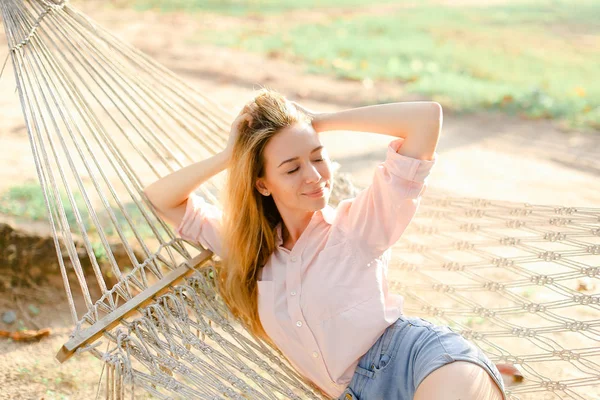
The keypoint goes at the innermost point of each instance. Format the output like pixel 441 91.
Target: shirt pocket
pixel 344 283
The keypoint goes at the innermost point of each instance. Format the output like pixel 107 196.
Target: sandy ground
pixel 487 155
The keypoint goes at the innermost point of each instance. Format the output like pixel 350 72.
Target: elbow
pixel 157 198
pixel 436 106
pixel 438 113
pixel 432 132
pixel 150 197
pixel 437 119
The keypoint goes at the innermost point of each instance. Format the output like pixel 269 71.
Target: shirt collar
pixel 327 214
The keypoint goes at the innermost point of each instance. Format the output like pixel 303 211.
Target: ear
pixel 260 186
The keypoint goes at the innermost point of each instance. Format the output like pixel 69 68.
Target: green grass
pixel 244 7
pixel 27 201
pixel 520 58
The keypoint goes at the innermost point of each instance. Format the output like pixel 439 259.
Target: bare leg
pixel 459 380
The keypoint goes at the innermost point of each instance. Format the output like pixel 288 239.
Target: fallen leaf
pixel 511 372
pixel 27 335
pixel 585 284
pixel 507 99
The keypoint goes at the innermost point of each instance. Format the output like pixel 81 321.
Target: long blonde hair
pixel 249 217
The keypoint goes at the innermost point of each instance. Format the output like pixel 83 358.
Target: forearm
pixel 394 119
pixel 172 190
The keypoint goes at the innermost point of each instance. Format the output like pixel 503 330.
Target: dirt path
pixel 28 370
pixel 486 155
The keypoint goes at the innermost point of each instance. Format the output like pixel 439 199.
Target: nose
pixel 312 174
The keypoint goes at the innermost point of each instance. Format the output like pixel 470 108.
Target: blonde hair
pixel 249 217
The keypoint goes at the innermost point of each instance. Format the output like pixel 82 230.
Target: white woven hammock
pixel 104 120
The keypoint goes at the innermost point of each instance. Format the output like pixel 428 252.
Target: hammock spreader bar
pixel 111 320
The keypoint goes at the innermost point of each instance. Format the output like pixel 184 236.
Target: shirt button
pixel 315 354
pixel 294 259
pixel 293 293
pixel 299 323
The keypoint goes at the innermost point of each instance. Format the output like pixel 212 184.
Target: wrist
pixel 225 156
pixel 318 122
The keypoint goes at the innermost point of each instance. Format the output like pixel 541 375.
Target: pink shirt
pixel 326 302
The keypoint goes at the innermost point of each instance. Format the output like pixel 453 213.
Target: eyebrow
pixel 295 158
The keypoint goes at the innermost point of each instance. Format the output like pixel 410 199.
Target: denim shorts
pixel 408 351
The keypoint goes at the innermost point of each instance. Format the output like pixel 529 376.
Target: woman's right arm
pixel 169 194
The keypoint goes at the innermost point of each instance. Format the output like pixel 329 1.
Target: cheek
pixel 288 185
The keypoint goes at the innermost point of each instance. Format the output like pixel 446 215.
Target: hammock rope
pixel 104 120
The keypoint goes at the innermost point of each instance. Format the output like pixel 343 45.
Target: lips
pixel 321 189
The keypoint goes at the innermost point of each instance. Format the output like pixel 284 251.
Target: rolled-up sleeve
pixel 376 218
pixel 202 223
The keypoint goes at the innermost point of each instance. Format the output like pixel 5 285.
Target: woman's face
pixel 296 166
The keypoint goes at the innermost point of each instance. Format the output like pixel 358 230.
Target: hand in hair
pixel 315 117
pixel 245 116
pixel 311 114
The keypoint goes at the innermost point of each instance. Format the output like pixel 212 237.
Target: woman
pixel 312 279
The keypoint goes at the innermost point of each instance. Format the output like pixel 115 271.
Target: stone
pixel 9 317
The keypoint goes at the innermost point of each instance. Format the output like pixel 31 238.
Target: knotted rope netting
pixel 104 120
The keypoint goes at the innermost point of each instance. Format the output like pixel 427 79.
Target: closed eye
pixel 296 169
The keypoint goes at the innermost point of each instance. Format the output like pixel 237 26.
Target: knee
pixel 458 380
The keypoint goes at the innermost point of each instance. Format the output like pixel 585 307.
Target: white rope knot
pixel 38 21
pixel 54 4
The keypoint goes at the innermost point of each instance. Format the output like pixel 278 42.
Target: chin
pixel 321 203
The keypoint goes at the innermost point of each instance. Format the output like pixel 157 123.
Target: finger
pixel 241 117
pixel 250 107
pixel 299 107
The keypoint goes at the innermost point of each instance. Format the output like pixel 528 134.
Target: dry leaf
pixel 511 372
pixel 585 284
pixel 26 336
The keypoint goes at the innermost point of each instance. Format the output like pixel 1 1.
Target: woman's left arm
pixel 378 216
pixel 419 123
